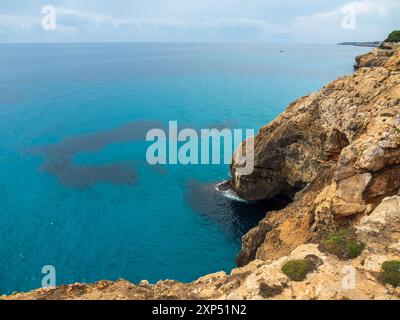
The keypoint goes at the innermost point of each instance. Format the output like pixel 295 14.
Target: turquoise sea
pixel 76 191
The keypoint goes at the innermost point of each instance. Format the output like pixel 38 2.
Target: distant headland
pixel 394 37
pixel 373 44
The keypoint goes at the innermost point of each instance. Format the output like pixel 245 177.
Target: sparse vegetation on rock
pixel 297 270
pixel 391 273
pixel 343 244
pixel 269 291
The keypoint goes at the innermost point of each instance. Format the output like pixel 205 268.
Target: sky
pixel 278 21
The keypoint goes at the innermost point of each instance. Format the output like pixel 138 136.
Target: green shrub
pixel 391 273
pixel 267 291
pixel 343 244
pixel 297 270
pixel 394 36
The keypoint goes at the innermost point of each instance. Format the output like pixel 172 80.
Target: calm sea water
pixel 75 189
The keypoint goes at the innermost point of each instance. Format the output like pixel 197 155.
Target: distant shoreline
pixel 373 44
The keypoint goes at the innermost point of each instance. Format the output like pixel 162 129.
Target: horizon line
pixel 174 42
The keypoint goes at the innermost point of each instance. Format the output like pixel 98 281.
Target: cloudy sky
pixel 282 21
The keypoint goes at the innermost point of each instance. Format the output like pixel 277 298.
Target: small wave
pixel 227 191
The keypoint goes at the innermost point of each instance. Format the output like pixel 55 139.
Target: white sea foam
pixel 227 191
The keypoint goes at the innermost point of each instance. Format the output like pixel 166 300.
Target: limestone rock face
pixel 370 60
pixel 382 227
pixel 341 147
pixel 378 57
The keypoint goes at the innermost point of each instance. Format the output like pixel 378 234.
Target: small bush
pixel 391 273
pixel 267 291
pixel 343 244
pixel 297 270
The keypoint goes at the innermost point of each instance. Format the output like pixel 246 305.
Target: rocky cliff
pixel 342 143
pixel 378 56
pixel 339 149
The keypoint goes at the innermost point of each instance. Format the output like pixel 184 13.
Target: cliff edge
pixel 378 56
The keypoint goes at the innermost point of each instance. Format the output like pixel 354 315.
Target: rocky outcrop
pixel 341 148
pixel 378 57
